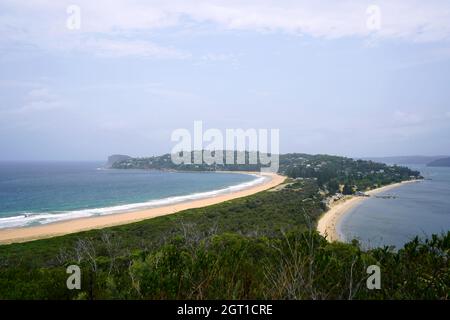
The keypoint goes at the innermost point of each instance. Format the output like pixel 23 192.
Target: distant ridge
pixel 116 158
pixel 443 162
pixel 425 160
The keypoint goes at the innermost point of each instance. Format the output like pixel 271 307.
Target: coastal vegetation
pixel 259 247
pixel 331 172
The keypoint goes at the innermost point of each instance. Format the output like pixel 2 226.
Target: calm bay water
pixel 418 209
pixel 44 192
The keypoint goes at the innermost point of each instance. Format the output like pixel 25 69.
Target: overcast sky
pixel 338 77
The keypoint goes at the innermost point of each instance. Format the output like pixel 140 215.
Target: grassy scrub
pixel 260 247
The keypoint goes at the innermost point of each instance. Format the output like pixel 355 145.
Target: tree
pixel 333 186
pixel 348 189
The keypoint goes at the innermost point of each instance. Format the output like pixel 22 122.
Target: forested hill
pixel 331 172
pixel 445 162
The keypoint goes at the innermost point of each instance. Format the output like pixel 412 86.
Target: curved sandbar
pixel 329 221
pixel 24 234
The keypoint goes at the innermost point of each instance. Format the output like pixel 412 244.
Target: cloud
pixel 230 59
pixel 107 29
pixel 408 118
pixel 122 28
pixel 153 89
pixel 17 84
pixel 38 110
pixel 133 48
pixel 218 57
pixel 38 100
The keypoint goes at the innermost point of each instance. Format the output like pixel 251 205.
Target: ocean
pixel 34 193
pixel 415 209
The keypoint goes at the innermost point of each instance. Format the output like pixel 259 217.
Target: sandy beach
pixel 24 234
pixel 329 221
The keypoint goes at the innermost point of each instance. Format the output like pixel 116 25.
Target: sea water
pixel 413 209
pixel 33 193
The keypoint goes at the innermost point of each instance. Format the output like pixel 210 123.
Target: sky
pixel 80 80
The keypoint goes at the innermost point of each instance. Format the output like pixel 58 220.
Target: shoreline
pixel 328 223
pixel 24 234
pixel 26 220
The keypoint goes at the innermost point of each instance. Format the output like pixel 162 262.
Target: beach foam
pixel 32 219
